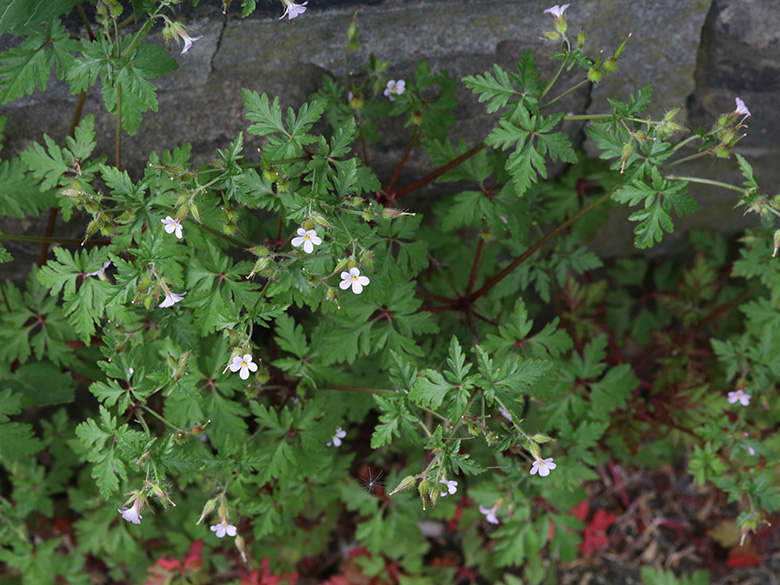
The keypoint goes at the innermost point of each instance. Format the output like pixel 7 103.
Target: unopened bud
pixel 626 154
pixel 183 211
pixel 423 491
pixel 539 438
pixel 581 40
pixel 405 484
pixel 534 448
pixel 776 242
pixel 195 212
pixel 595 75
pixel 356 102
pixel 417 118
pixel 207 509
pixel 240 547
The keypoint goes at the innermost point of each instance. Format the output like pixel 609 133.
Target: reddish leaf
pixel 744 556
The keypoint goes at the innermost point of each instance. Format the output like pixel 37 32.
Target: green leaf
pixel 658 196
pixel 496 89
pixel 430 389
pixel 291 337
pixel 21 14
pixel 17 439
pixel 24 69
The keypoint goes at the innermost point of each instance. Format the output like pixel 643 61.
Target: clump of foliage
pixel 251 343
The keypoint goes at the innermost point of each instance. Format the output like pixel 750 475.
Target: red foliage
pixel 190 563
pixel 594 537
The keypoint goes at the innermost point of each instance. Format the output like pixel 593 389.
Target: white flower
pixel 171 299
pixel 741 108
pixel 353 279
pixel 490 513
pixel 223 528
pixel 452 487
pixel 557 11
pixel 244 364
pixel 336 438
pixel 188 40
pixel 100 272
pixel 293 9
pixel 543 467
pixel 739 395
pixel 172 225
pixel 308 239
pixel 395 87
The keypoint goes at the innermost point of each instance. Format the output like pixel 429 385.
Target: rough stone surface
pixel 698 54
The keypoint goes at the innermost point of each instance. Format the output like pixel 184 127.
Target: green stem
pixel 160 418
pixel 554 78
pixel 565 93
pixel 354 389
pixel 588 117
pixel 707 182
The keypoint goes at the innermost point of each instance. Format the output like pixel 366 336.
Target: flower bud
pixel 539 438
pixel 534 448
pixel 776 242
pixel 405 484
pixel 581 40
pixel 183 211
pixel 356 102
pixel 195 212
pixel 207 509
pixel 626 154
pixel 423 491
pixel 240 547
pixel 595 75
pixel 417 118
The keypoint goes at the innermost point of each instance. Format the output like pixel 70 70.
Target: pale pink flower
pixel 188 40
pixel 308 239
pixel 490 513
pixel 741 108
pixel 557 11
pixel 293 9
pixel 171 298
pixel 543 467
pixel 244 364
pixel 133 513
pixel 223 528
pixel 100 272
pixel 451 487
pixel 739 396
pixel 354 280
pixel 336 438
pixel 395 88
pixel 172 225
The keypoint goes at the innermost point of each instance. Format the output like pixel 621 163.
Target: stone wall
pixel 698 54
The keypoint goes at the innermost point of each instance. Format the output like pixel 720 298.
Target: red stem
pixel 402 162
pixel 474 266
pixel 440 171
pixel 533 249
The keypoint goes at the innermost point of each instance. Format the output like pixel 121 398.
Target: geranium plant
pixel 473 352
